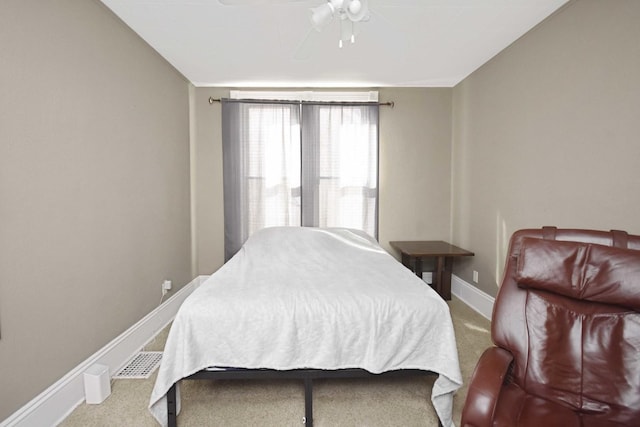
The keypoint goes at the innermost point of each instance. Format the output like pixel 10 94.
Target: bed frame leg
pixel 172 420
pixel 308 402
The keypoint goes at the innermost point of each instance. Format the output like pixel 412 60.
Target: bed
pixel 308 303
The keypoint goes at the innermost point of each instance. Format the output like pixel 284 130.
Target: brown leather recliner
pixel 566 325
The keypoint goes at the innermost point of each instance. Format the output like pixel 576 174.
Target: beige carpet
pixel 336 402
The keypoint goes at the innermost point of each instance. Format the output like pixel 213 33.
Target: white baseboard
pixel 54 404
pixel 472 296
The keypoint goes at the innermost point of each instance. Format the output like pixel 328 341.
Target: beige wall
pixel 94 187
pixel 415 165
pixel 415 158
pixel 207 171
pixel 547 133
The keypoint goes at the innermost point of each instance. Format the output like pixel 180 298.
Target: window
pixel 292 164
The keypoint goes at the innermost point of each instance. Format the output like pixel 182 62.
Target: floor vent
pixel 141 366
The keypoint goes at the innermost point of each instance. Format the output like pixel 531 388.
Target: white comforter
pixel 312 298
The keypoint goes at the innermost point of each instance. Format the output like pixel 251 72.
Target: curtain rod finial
pixel 211 100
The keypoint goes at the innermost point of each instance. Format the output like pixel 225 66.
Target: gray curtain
pixel 287 164
pixel 261 169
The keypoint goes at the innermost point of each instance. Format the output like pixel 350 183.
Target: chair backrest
pixel 569 311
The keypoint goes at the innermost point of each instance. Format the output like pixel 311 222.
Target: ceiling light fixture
pixel 348 11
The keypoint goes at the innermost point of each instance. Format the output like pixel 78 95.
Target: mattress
pixel 312 298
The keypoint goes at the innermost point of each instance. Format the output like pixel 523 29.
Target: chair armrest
pixel 484 388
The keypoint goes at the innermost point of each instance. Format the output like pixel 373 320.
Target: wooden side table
pixel 414 251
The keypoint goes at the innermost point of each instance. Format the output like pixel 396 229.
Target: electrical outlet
pixel 166 287
pixel 475 276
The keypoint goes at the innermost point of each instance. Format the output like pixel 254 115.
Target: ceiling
pixel 412 43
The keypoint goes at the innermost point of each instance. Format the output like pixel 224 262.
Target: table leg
pixel 438 275
pixel 446 278
pixel 406 261
pixel 442 276
pixel 418 267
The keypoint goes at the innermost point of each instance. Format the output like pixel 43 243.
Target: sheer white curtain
pixel 340 166
pixel 298 164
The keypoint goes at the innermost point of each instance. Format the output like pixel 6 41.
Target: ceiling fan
pixel 348 12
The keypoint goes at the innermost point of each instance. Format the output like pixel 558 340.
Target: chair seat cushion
pixel 516 408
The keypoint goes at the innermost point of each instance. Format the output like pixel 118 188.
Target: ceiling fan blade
pixel 308 45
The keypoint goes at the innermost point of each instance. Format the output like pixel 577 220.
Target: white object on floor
pixel 97 386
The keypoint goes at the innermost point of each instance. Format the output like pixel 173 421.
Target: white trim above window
pixel 308 95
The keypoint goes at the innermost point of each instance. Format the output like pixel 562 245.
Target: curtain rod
pixel 279 101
